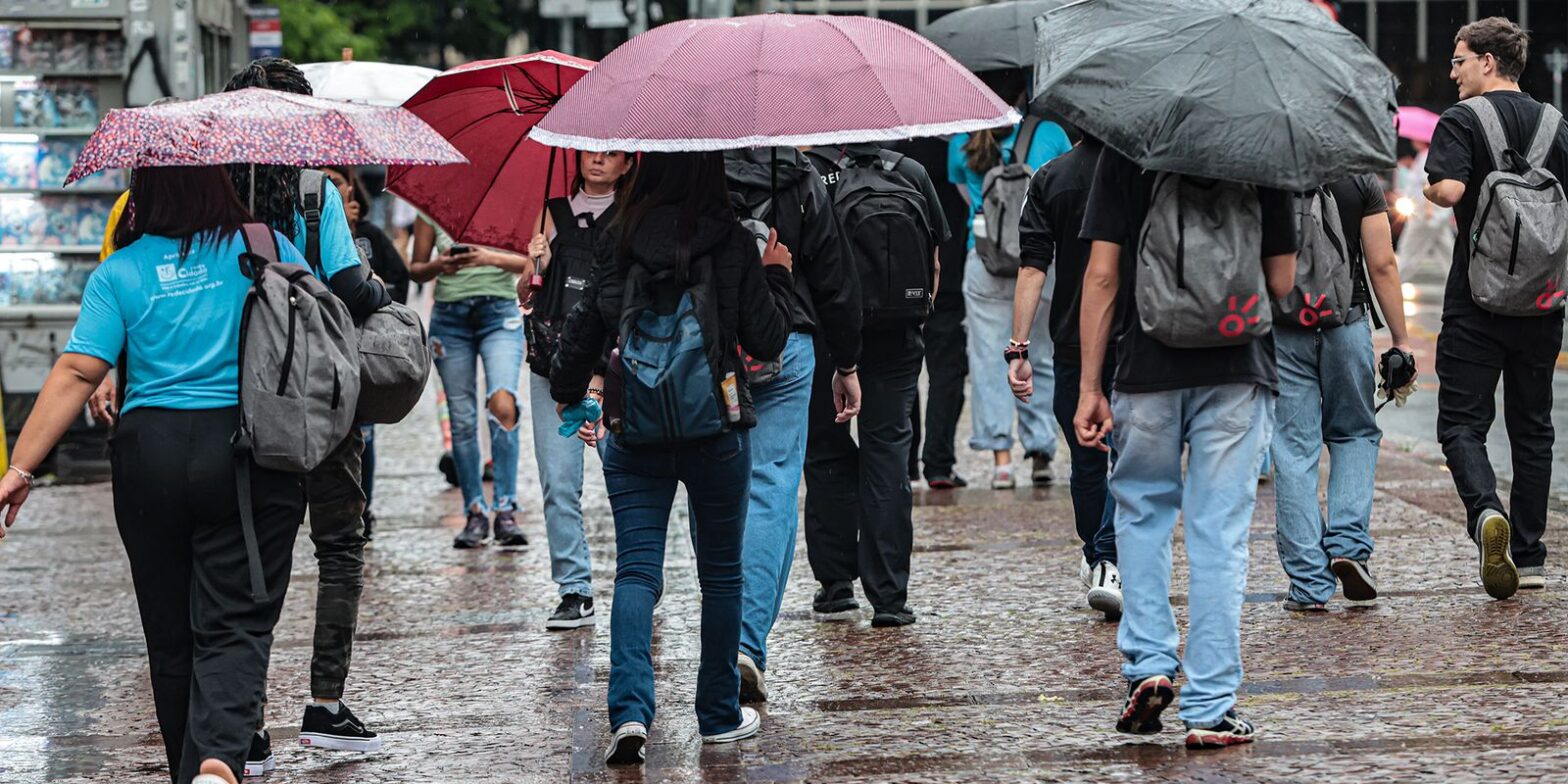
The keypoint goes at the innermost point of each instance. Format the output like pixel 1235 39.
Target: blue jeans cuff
pixel 580 589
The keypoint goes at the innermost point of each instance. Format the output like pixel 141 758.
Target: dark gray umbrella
pixel 1270 92
pixel 991 37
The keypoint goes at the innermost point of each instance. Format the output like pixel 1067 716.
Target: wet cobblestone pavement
pixel 1008 676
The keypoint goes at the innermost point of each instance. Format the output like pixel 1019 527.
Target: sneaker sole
pixel 1142 714
pixel 1532 583
pixel 889 623
pixel 317 740
pixel 1209 739
pixel 1004 485
pixel 560 626
pixel 467 546
pixel 1106 601
pixel 1498 574
pixel 739 733
pixel 262 768
pixel 629 751
pixel 1351 581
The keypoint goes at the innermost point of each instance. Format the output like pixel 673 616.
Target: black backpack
pixel 884 217
pixel 570 269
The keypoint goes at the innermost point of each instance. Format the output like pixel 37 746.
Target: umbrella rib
pixel 1290 126
pixel 864 59
pixel 496 176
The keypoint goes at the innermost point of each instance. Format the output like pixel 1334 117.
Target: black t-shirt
pixel 1048 230
pixel 384 259
pixel 1358 197
pixel 1459 152
pixel 1118 202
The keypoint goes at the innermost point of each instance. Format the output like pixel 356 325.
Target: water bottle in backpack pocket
pixel 889 232
pixel 1519 238
pixel 1200 280
pixel 1002 196
pixel 1322 293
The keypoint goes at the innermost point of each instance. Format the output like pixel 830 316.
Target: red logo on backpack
pixel 1550 297
pixel 1312 310
pixel 1235 322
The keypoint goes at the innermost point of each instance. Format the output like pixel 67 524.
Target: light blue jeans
pixel 988 318
pixel 1226 430
pixel 560 462
pixel 778 455
pixel 463 333
pixel 1326 381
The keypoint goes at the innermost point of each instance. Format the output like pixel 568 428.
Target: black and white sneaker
pixel 475 532
pixel 750 722
pixel 1354 579
pixel 507 532
pixel 338 730
pixel 628 745
pixel 835 602
pixel 1231 731
pixel 1105 590
pixel 259 760
pixel 574 611
pixel 1146 699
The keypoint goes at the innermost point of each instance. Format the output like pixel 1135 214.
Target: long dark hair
pixel 187 203
pixel 983 150
pixel 277 187
pixel 693 181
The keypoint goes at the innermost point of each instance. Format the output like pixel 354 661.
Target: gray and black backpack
pixel 1322 295
pixel 1200 277
pixel 1002 197
pixel 1519 238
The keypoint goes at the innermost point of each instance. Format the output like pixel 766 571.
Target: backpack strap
pixel 312 198
pixel 1491 128
pixel 1025 139
pixel 1545 135
pixel 260 243
pixel 561 215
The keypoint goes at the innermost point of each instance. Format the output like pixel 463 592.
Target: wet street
pixel 1008 676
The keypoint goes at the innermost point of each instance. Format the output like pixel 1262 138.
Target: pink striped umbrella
pixel 256 125
pixel 776 79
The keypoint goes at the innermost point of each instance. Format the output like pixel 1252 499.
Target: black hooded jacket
pixel 826 298
pixel 749 303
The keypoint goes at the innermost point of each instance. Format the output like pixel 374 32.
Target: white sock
pixel 332 706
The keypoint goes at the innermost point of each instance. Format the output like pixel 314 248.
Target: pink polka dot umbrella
pixel 261 126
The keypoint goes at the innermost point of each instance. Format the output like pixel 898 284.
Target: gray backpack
pixel 1200 274
pixel 1002 197
pixel 1519 238
pixel 299 362
pixel 1321 297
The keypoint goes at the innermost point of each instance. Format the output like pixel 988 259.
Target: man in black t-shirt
pixel 1215 402
pixel 1327 377
pixel 1477 347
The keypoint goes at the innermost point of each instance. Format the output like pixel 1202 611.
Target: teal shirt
pixel 178 319
pixel 338 251
pixel 1049 141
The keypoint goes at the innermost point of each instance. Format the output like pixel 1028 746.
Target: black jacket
pixel 827 289
pixel 751 302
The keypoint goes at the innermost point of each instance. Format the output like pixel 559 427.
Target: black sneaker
pixel 835 602
pixel 1146 699
pixel 1354 579
pixel 1498 572
pixel 946 482
pixel 474 533
pixel 259 760
pixel 1231 731
pixel 889 619
pixel 573 612
pixel 1040 468
pixel 507 532
pixel 342 731
pixel 447 465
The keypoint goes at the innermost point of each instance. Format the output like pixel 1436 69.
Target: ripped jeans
pixel 462 333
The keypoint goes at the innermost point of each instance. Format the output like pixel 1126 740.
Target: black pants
pixel 947 368
pixel 208 640
pixel 858 502
pixel 1090 489
pixel 1473 353
pixel 337 529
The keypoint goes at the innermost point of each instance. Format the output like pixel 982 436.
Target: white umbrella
pixel 379 84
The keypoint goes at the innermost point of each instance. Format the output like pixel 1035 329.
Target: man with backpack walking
pixel 858 500
pixel 1499 158
pixel 1194 377
pixel 1346 276
pixel 776 188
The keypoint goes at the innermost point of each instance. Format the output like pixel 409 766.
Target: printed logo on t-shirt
pixel 178 280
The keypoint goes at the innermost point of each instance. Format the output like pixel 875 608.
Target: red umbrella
pixel 776 79
pixel 260 126
pixel 486 110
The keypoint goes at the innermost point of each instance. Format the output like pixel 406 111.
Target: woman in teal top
pixel 169 302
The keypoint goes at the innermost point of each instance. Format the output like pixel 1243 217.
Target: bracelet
pixel 852 370
pixel 26 477
pixel 1011 343
pixel 593 391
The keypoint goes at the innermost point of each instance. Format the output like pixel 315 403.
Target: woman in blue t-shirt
pixel 988 299
pixel 166 307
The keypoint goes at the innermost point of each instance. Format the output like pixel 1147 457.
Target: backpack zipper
pixel 288 351
pixel 1513 250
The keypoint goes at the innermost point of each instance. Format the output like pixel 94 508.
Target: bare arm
pixel 1444 193
pixel 1383 268
pixel 65 391
pixel 1026 300
pixel 1279 273
pixel 1101 279
pixel 423 267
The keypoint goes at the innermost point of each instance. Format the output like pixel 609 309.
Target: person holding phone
pixel 476 319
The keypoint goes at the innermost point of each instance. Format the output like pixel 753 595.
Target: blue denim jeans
pixel 560 462
pixel 641 482
pixel 463 333
pixel 1326 380
pixel 778 455
pixel 1226 430
pixel 988 318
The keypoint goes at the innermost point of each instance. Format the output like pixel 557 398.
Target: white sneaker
pixel 1532 577
pixel 208 778
pixel 1085 575
pixel 1002 477
pixel 750 722
pixel 753 687
pixel 628 744
pixel 1105 589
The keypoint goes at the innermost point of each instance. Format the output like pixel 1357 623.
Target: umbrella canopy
pixel 1270 92
pixel 257 125
pixel 486 110
pixel 777 79
pixel 991 37
pixel 1416 123
pixel 378 84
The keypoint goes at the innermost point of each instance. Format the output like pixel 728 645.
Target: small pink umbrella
pixel 255 125
pixel 1416 123
pixel 776 79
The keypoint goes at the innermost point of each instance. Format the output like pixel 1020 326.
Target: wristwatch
pixel 1015 352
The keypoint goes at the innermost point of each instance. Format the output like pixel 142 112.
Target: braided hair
pixel 277 187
